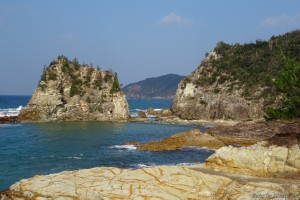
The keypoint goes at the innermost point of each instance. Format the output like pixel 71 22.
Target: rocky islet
pixel 69 91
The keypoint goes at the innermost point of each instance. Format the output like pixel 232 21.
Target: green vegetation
pixel 272 65
pixel 76 87
pixel 79 81
pixel 116 85
pixel 287 83
pixel 251 64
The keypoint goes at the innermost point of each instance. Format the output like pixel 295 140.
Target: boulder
pixel 141 114
pixel 151 111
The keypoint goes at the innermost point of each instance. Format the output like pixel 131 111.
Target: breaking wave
pixel 10 111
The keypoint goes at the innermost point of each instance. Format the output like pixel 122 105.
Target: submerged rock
pixel 70 91
pixel 178 141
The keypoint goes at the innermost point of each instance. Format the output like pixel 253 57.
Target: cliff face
pixel 240 82
pixel 214 101
pixel 70 91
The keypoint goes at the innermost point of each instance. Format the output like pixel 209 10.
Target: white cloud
pixel 172 18
pixel 291 21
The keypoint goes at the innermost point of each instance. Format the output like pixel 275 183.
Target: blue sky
pixel 136 38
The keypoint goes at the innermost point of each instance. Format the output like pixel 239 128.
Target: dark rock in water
pixel 142 114
pixel 248 133
pixel 9 119
pixel 135 143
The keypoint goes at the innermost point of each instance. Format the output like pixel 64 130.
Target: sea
pixel 28 149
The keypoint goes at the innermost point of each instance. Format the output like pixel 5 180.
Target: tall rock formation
pixel 70 91
pixel 240 82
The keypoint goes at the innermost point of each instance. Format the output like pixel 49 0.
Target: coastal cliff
pixel 244 82
pixel 69 91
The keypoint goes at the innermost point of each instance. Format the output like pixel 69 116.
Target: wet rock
pixel 141 114
pixel 178 141
pixel 9 119
pixel 151 111
pixel 134 143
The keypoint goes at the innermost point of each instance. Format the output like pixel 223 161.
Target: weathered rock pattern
pixel 70 91
pixel 213 101
pixel 258 160
pixel 164 182
pixel 248 133
pixel 178 141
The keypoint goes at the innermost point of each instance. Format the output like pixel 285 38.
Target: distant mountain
pixel 158 87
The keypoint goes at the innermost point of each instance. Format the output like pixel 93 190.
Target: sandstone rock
pixel 164 182
pixel 165 113
pixel 257 160
pixel 151 111
pixel 180 140
pixel 70 91
pixel 248 133
pixel 142 114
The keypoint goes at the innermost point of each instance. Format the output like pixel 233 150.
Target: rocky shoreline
pixel 9 119
pixel 267 169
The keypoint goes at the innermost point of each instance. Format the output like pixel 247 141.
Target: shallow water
pixel 29 149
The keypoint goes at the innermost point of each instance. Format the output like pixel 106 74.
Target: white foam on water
pixel 10 111
pixel 74 157
pixel 123 147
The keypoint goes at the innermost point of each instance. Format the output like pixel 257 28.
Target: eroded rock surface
pixel 69 91
pixel 165 182
pixel 258 160
pixel 189 138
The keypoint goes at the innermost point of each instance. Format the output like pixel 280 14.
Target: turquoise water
pixel 29 149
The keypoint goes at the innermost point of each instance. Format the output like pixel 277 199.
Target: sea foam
pixel 123 147
pixel 10 111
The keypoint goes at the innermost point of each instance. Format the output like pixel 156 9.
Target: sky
pixel 138 39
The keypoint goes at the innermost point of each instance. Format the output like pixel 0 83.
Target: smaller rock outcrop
pixel 178 141
pixel 9 119
pixel 248 133
pixel 258 160
pixel 69 91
